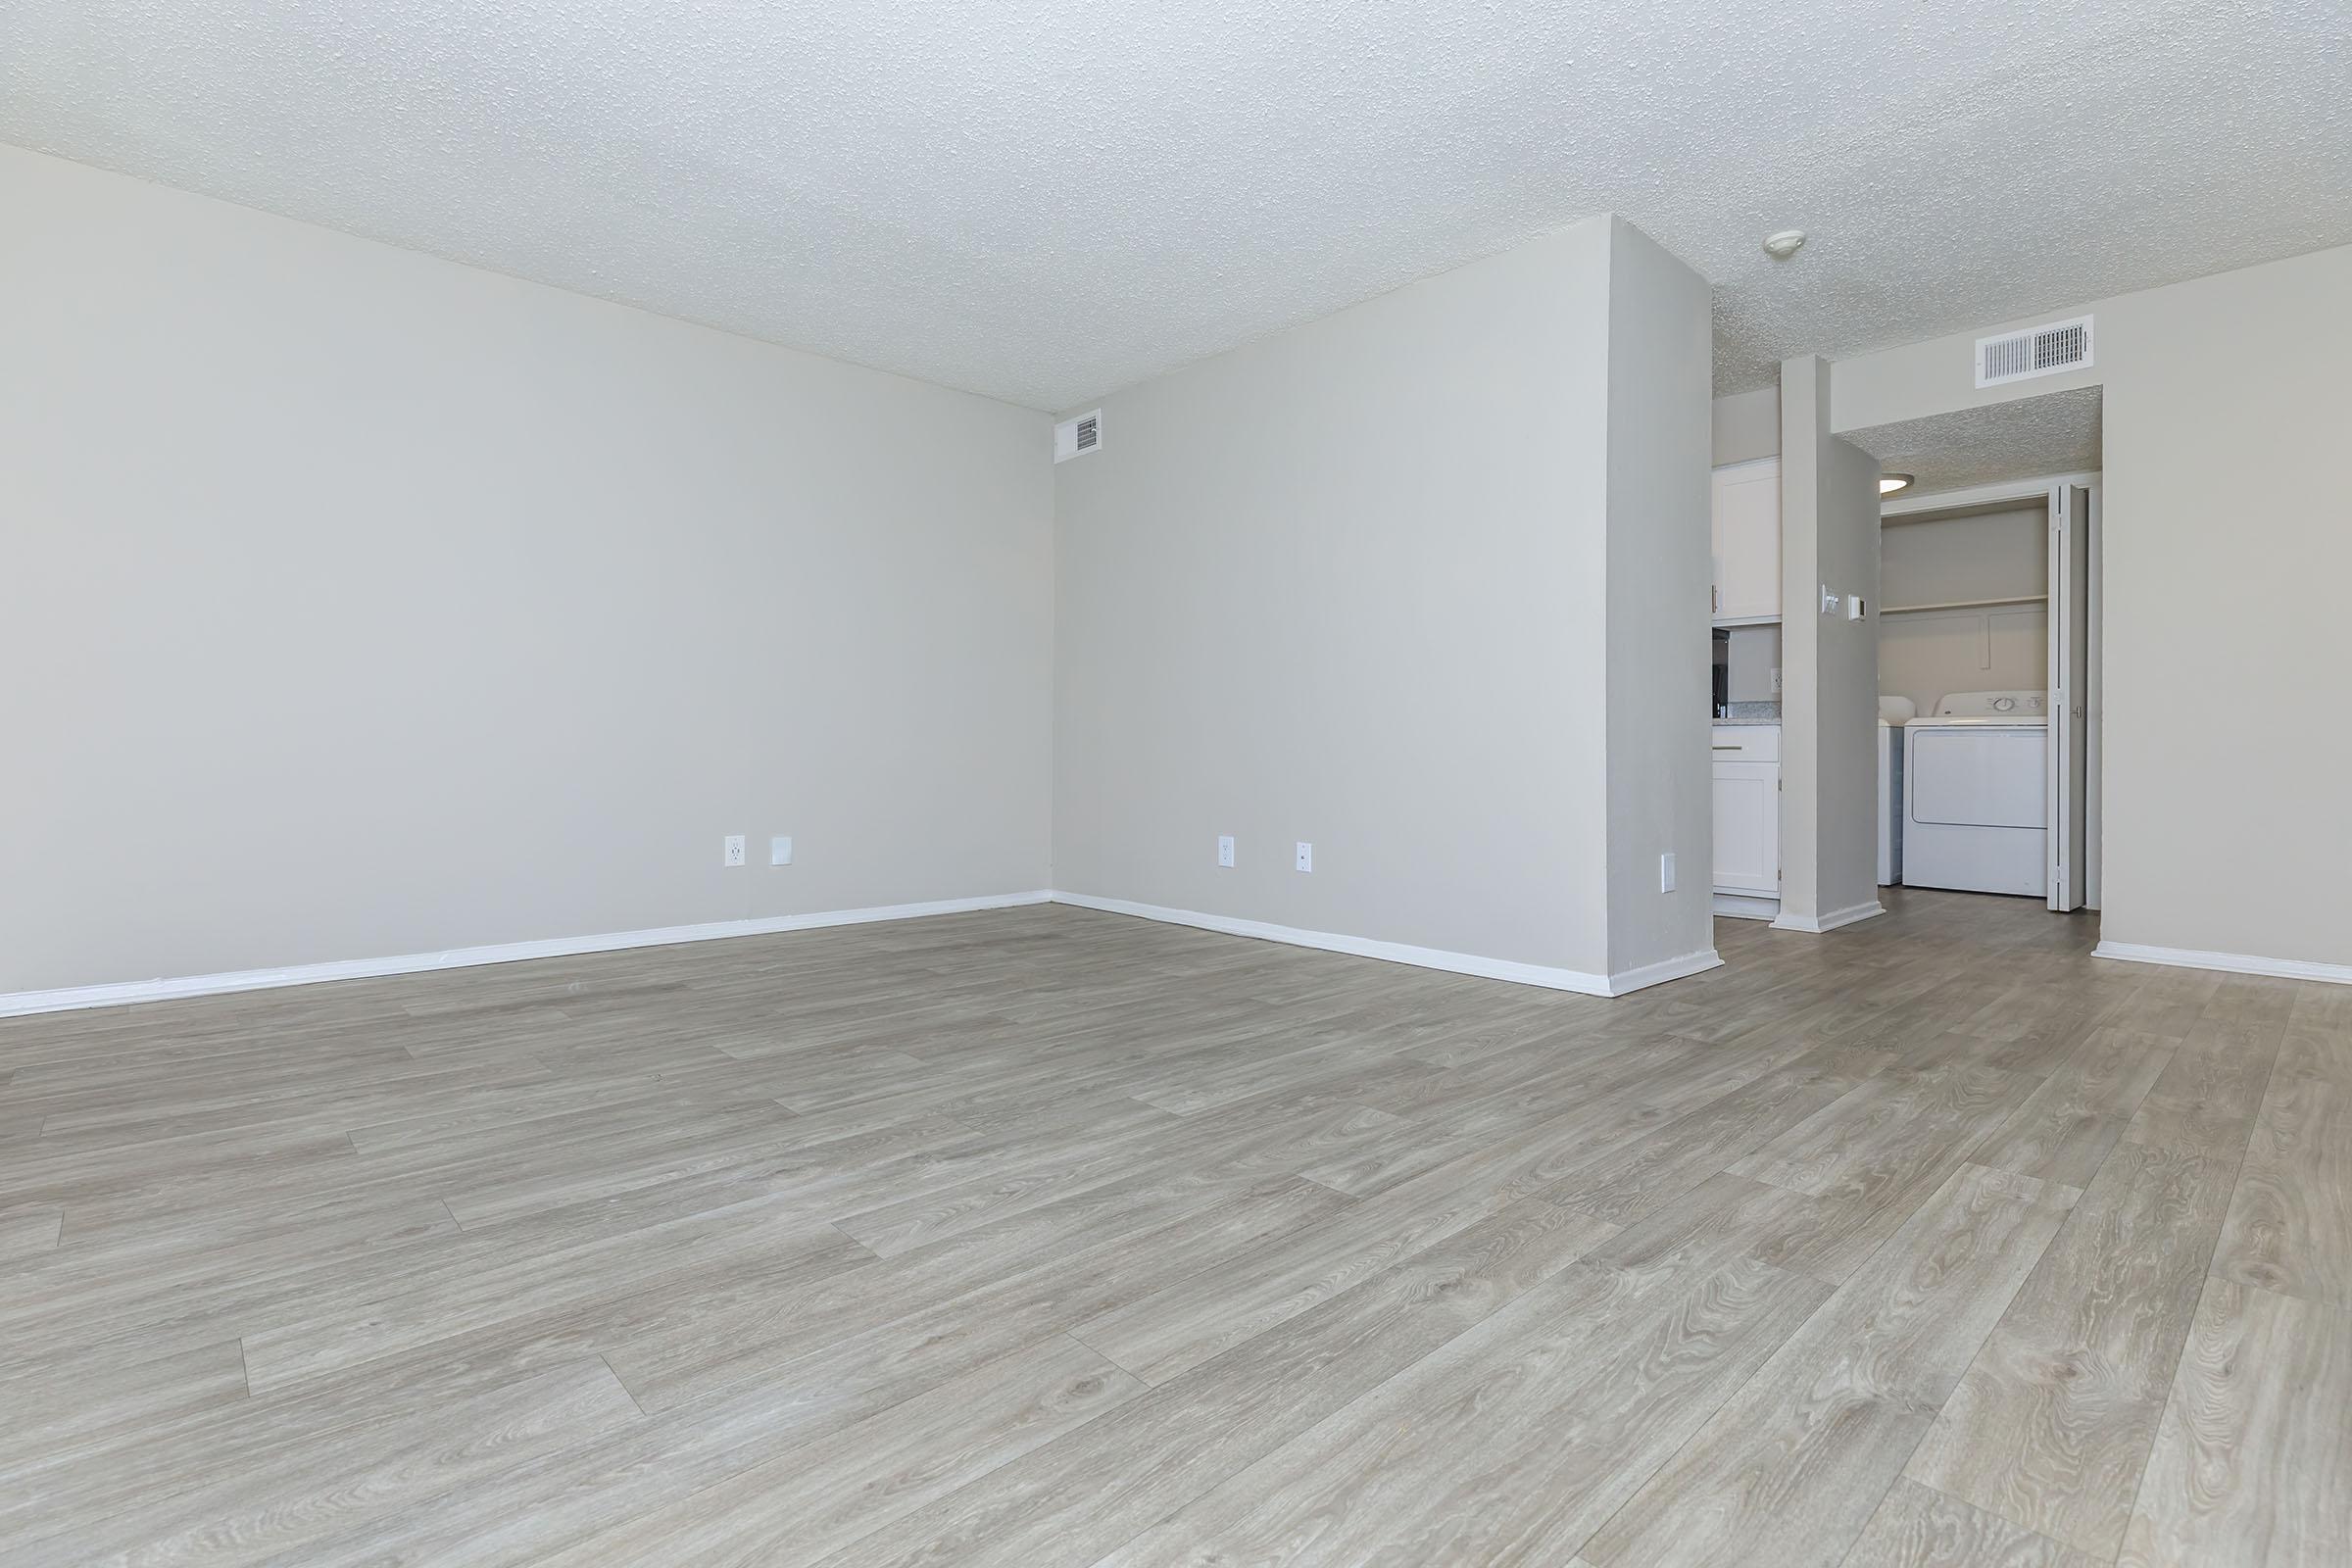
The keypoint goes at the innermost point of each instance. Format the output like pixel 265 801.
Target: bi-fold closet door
pixel 2069 682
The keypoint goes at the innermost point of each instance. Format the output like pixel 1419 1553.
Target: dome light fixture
pixel 1889 483
pixel 1785 244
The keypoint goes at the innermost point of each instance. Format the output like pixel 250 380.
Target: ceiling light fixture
pixel 1889 483
pixel 1787 243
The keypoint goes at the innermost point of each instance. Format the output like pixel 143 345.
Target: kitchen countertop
pixel 1746 723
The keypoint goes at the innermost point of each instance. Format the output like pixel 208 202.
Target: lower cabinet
pixel 1747 811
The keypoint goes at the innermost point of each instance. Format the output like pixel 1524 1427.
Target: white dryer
pixel 1975 794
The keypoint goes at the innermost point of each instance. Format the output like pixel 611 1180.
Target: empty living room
pixel 1170 785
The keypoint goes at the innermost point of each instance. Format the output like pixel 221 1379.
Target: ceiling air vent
pixel 2037 351
pixel 1075 438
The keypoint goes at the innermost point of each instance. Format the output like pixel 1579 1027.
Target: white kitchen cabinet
pixel 1746 536
pixel 1748 810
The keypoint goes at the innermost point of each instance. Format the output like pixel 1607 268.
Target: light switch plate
pixel 779 850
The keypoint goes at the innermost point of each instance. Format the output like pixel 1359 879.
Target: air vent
pixel 1075 438
pixel 2037 351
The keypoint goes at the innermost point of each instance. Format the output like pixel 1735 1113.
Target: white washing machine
pixel 1975 794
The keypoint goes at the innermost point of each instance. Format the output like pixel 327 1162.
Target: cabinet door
pixel 1748 828
pixel 1747 542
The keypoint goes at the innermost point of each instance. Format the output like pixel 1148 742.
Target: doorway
pixel 1988 622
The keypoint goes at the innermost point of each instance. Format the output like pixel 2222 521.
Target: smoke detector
pixel 1787 243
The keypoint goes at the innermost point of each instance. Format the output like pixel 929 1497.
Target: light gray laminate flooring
pixel 1044 1237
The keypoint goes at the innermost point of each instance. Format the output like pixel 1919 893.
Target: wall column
pixel 1828 662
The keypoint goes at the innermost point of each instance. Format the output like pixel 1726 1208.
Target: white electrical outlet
pixel 1307 856
pixel 779 850
pixel 1666 872
pixel 1225 850
pixel 734 850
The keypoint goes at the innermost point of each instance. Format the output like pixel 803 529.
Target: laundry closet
pixel 1983 674
pixel 1964 603
pixel 1964 630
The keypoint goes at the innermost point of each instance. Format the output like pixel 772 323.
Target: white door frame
pixel 2069 683
pixel 2016 493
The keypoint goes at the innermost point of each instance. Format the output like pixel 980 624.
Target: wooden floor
pixel 1049 1236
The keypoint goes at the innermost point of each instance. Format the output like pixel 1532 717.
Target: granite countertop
pixel 1737 714
pixel 1772 723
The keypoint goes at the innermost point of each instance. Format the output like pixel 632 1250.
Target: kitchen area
pixel 1987 770
pixel 1745 739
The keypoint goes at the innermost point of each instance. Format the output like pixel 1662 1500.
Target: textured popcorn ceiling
pixel 2025 438
pixel 1045 202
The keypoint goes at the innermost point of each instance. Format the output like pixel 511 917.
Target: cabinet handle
pixel 1730 747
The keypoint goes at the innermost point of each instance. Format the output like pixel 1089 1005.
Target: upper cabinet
pixel 1747 542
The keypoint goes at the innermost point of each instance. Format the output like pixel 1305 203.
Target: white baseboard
pixel 1819 923
pixel 1744 906
pixel 1526 974
pixel 2334 974
pixel 170 988
pixel 1657 974
pixel 305 975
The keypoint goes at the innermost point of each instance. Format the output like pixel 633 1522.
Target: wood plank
pixel 2205 1100
pixel 1790 1469
pixel 1193 1319
pixel 28 1228
pixel 2290 1227
pixel 1076 1499
pixel 92 1398
pixel 1512 1442
pixel 2051 1426
pixel 2253 1462
pixel 277 1490
pixel 1919 1527
pixel 801 1506
pixel 1626 1182
pixel 1878 1152
pixel 748 1251
pixel 885 1323
pixel 2065 1128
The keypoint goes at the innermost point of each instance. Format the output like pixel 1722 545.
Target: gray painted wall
pixel 2221 833
pixel 1659 558
pixel 1829 708
pixel 1353 584
pixel 1746 426
pixel 360 604
pixel 1847 660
